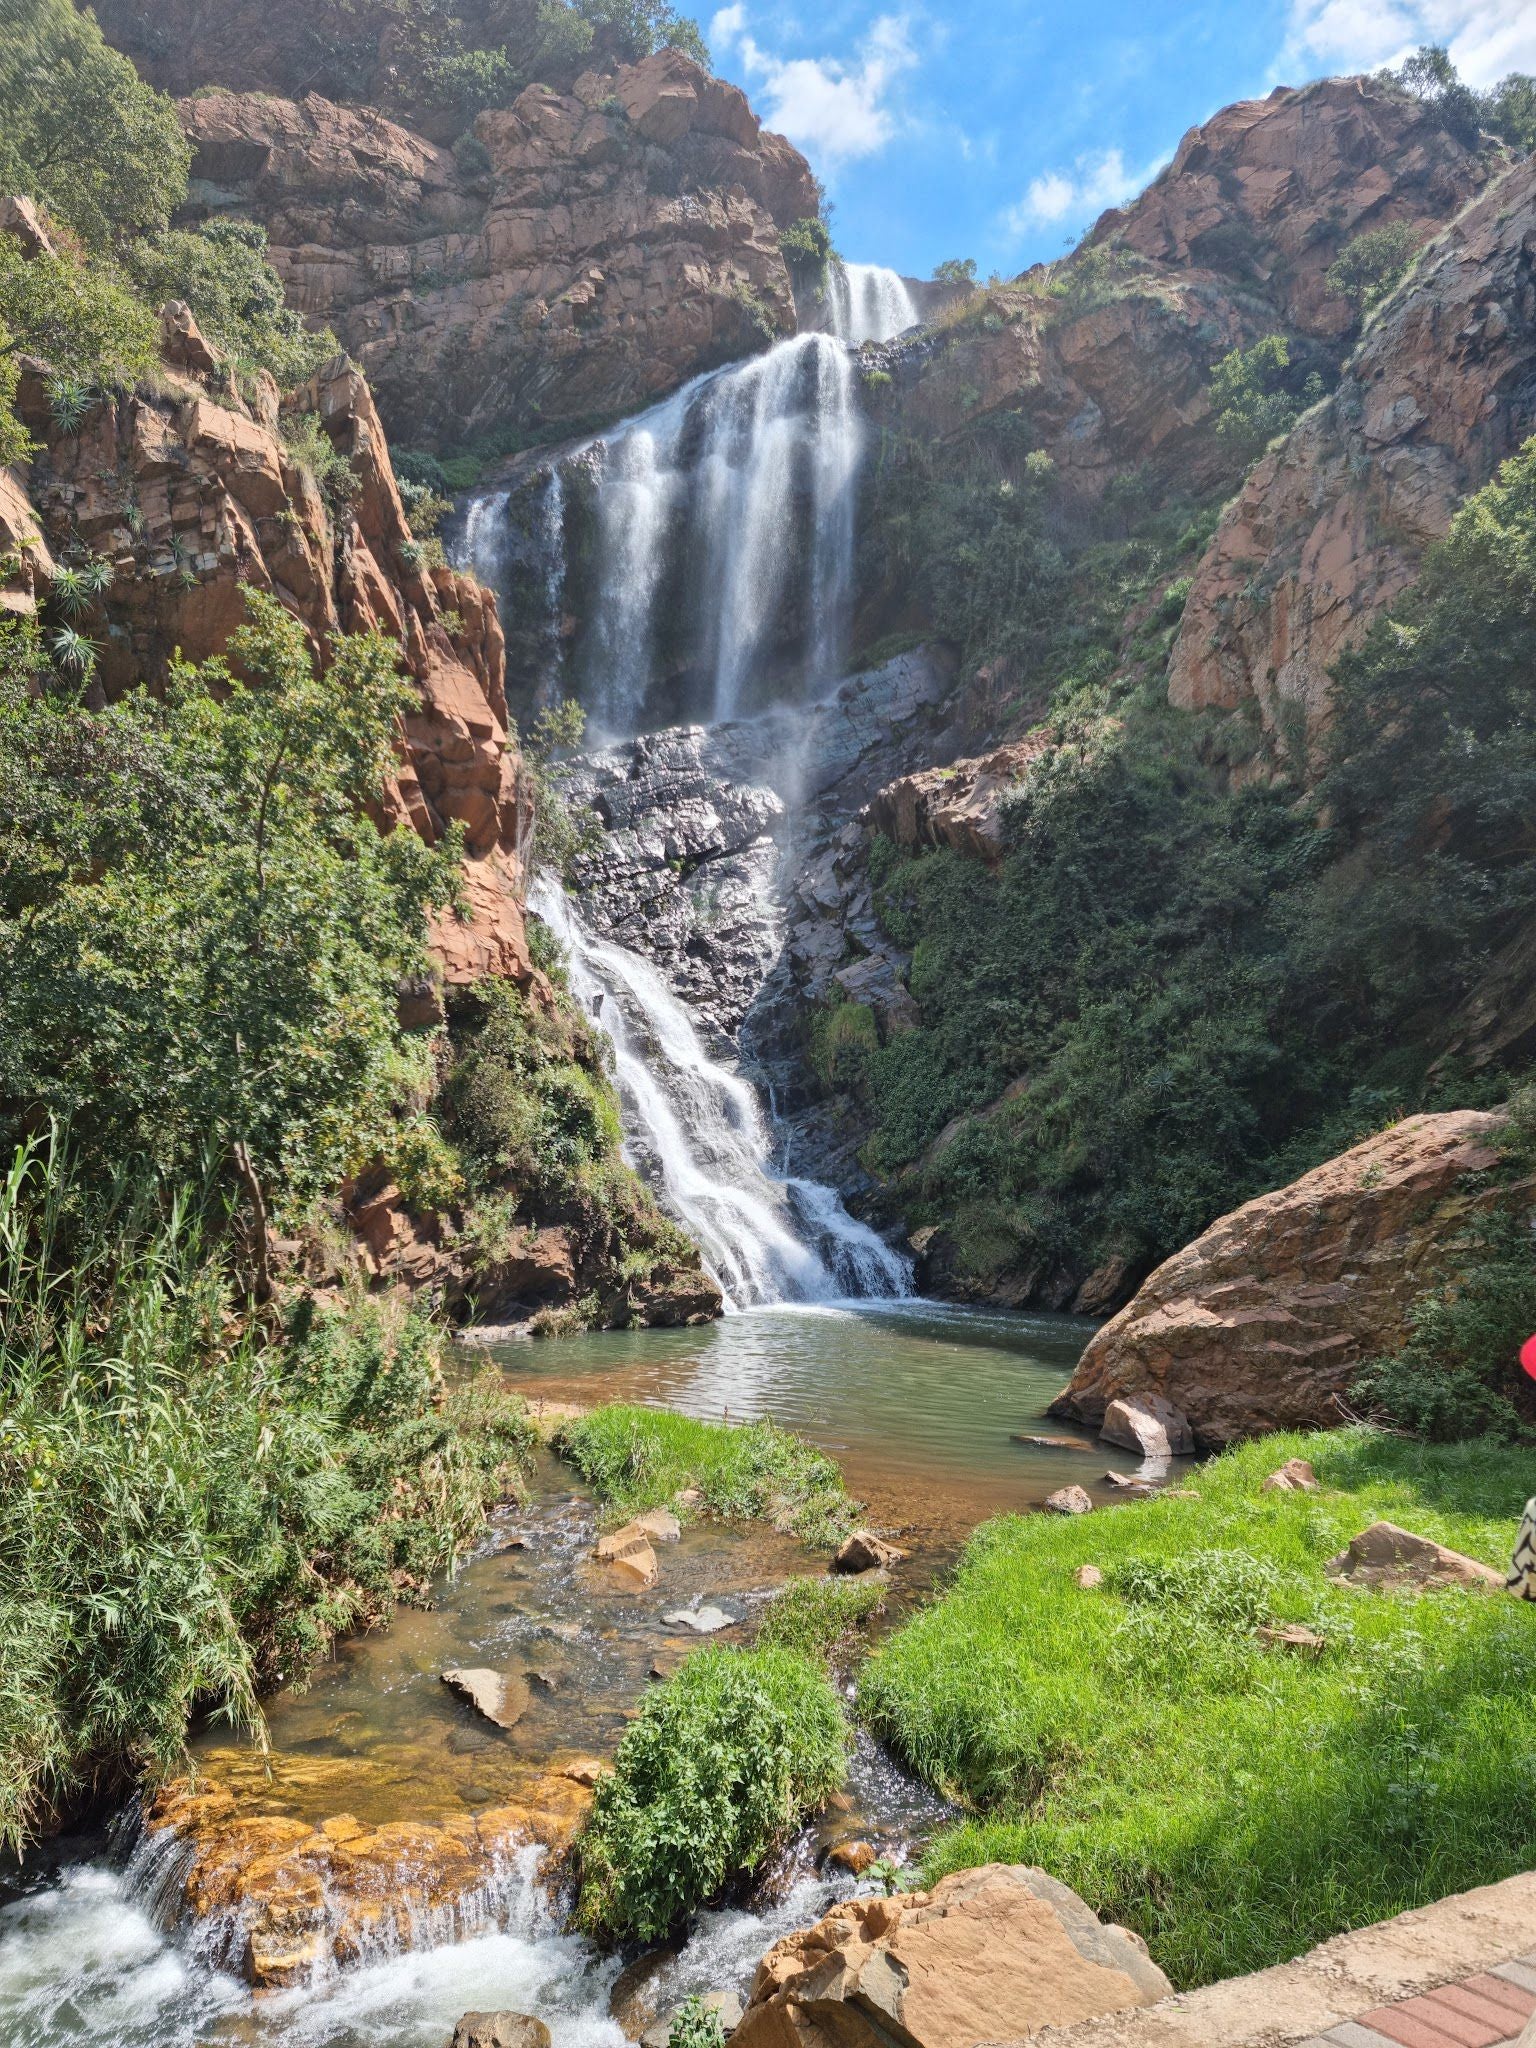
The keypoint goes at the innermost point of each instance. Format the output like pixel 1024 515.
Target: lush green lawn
pixel 1231 1802
pixel 641 1458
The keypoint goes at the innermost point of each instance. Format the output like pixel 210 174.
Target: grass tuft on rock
pixel 1232 1802
pixel 819 1618
pixel 639 1458
pixel 722 1763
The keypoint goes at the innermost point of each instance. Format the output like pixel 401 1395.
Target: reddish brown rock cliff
pixel 625 237
pixel 1332 524
pixel 1110 356
pixel 1262 1322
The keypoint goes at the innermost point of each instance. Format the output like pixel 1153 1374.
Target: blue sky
pixel 1000 129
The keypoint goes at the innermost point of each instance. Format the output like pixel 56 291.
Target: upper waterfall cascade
pixel 718 513
pixel 867 302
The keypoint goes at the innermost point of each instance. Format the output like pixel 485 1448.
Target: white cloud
pixel 726 28
pixel 838 109
pixel 1486 38
pixel 1076 196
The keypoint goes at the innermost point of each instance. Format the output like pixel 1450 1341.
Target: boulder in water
pixel 500 2030
pixel 660 1524
pixel 1068 1500
pixel 993 1954
pixel 1150 1424
pixel 629 1551
pixel 704 1621
pixel 864 1551
pixel 500 1696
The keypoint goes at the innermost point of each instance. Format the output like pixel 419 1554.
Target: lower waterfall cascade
pixel 697 1130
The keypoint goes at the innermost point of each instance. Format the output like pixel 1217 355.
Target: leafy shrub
pixel 723 1760
pixel 841 1037
pixel 806 246
pixel 78 318
pixel 697 2025
pixel 640 1458
pixel 221 270
pixel 317 454
pixel 1253 396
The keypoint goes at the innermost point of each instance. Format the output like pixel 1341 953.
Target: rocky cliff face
pixel 1110 357
pixel 1263 1321
pixel 1332 524
pixel 623 237
pixel 192 492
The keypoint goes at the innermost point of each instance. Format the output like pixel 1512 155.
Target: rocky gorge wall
pixel 620 237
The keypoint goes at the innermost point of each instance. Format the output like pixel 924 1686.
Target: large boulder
pixel 988 1955
pixel 1387 1559
pixel 1149 1424
pixel 1262 1322
pixel 500 2030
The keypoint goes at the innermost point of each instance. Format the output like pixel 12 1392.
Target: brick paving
pixel 1488 2010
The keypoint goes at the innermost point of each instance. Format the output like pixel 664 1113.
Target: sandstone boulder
pixel 863 1551
pixel 854 1857
pixel 1292 1636
pixel 1262 1322
pixel 498 1696
pixel 500 2030
pixel 988 1955
pixel 1387 1559
pixel 1150 1424
pixel 660 1524
pixel 1294 1476
pixel 1088 1578
pixel 628 1551
pixel 1068 1500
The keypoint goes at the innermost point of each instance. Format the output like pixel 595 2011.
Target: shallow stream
pixel 919 1402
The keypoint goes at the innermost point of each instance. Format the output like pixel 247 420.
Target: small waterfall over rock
pixel 698 1131
pixel 867 302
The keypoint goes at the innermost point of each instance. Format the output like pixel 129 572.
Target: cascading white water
pixel 699 1130
pixel 723 488
pixel 867 302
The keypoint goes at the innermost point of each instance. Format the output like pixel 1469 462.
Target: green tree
pixel 1371 265
pixel 15 442
pixel 1252 391
pixel 80 130
pixel 956 270
pixel 1510 111
pixel 1431 77
pixel 222 272
pixel 202 943
pixel 77 317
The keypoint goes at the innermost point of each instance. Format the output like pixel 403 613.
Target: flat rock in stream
pixel 659 1524
pixel 500 1696
pixel 1051 1443
pixel 500 2030
pixel 629 1551
pixel 704 1621
pixel 864 1551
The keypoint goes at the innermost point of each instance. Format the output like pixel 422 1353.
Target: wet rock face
pixel 1332 525
pixel 722 846
pixel 286 1900
pixel 625 237
pixel 1262 1322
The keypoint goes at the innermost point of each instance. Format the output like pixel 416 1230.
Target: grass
pixel 1232 1803
pixel 819 1618
pixel 718 1769
pixel 190 1509
pixel 639 1458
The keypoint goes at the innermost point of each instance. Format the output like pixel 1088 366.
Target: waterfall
pixel 698 1130
pixel 724 521
pixel 867 302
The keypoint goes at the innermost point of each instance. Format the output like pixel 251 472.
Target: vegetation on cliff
pixel 1201 984
pixel 722 1763
pixel 1143 1743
